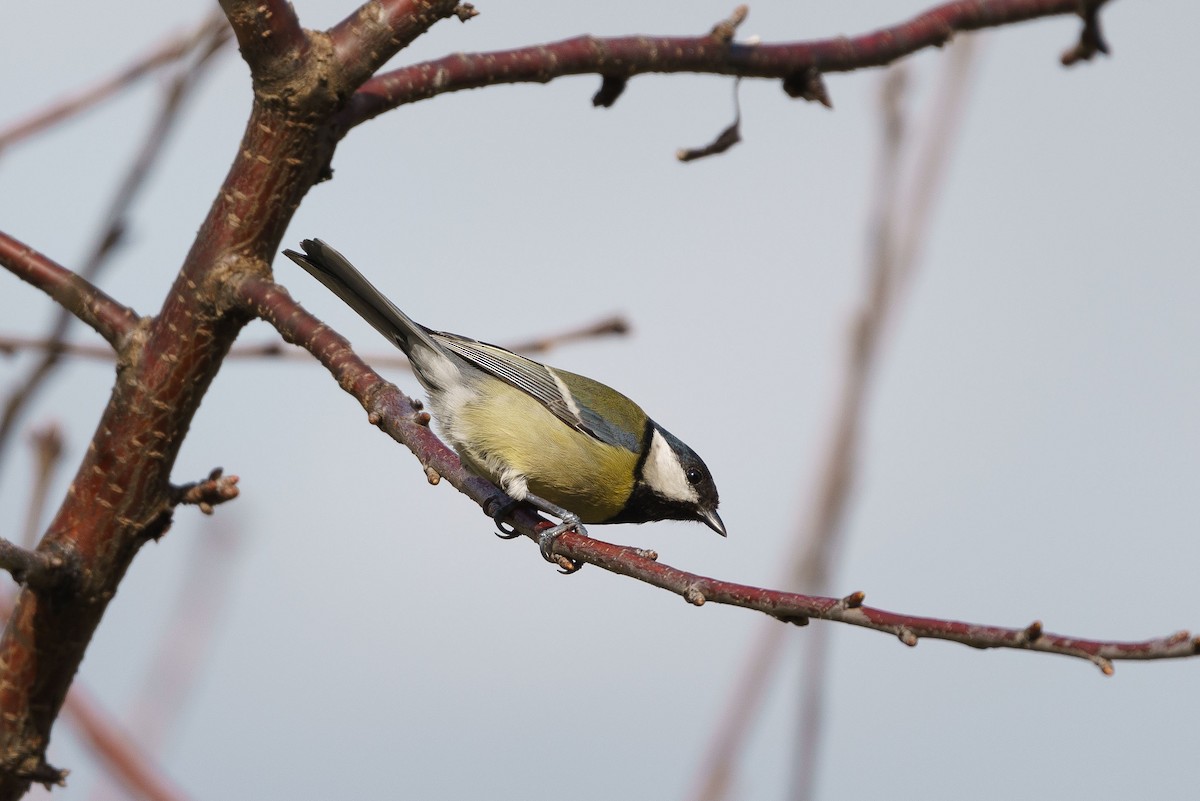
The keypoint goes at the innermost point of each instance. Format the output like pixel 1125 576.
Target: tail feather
pixel 336 272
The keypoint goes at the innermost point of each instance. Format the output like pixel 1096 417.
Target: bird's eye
pixel 694 475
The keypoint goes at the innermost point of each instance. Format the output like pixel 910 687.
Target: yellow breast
pixel 507 434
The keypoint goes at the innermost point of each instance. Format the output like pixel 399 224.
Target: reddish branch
pixel 797 608
pixel 206 494
pixel 366 39
pixel 397 415
pixel 268 33
pixel 795 63
pixel 122 495
pixel 108 317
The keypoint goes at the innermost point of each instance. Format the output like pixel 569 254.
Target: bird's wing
pixel 545 385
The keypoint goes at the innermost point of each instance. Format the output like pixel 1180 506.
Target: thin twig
pixel 71 291
pixel 376 31
pixel 793 63
pixel 216 489
pixel 615 325
pixel 823 533
pixel 818 535
pixel 161 55
pixel 115 221
pixel 398 416
pixel 27 566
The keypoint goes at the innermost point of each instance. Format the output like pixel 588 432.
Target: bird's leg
pixel 546 538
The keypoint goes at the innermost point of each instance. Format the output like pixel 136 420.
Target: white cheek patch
pixel 664 474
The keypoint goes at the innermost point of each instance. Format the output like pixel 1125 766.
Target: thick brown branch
pixel 126 763
pixel 633 55
pixel 108 317
pixel 397 415
pixel 121 494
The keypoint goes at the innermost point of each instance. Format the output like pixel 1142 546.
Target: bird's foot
pixel 548 533
pixel 547 536
pixel 502 531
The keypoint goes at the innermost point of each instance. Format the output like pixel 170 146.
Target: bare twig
pixel 397 415
pixel 635 55
pixel 73 292
pixel 115 223
pixel 892 257
pixel 615 325
pixel 725 140
pixel 724 30
pixel 33 568
pixel 140 776
pixel 364 41
pixel 823 532
pixel 47 450
pixel 163 54
pixel 206 494
pixel 1091 38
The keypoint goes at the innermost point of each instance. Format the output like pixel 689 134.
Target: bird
pixel 570 446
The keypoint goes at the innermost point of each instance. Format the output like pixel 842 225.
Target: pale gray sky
pixel 1031 449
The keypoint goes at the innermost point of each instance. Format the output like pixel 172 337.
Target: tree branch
pixel 387 407
pixel 171 50
pixel 129 766
pixel 211 39
pixel 75 294
pixel 795 63
pixel 798 608
pixel 400 417
pixel 364 41
pixel 34 568
pixel 393 360
pixel 206 494
pixel 268 33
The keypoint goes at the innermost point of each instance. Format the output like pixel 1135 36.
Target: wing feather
pixel 542 384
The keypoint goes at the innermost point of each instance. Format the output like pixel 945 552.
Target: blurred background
pixel 1027 444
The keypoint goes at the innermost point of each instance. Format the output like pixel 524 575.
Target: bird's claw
pixel 502 531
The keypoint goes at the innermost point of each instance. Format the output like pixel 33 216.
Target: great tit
pixel 570 446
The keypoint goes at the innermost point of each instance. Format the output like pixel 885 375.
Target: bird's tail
pixel 336 272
